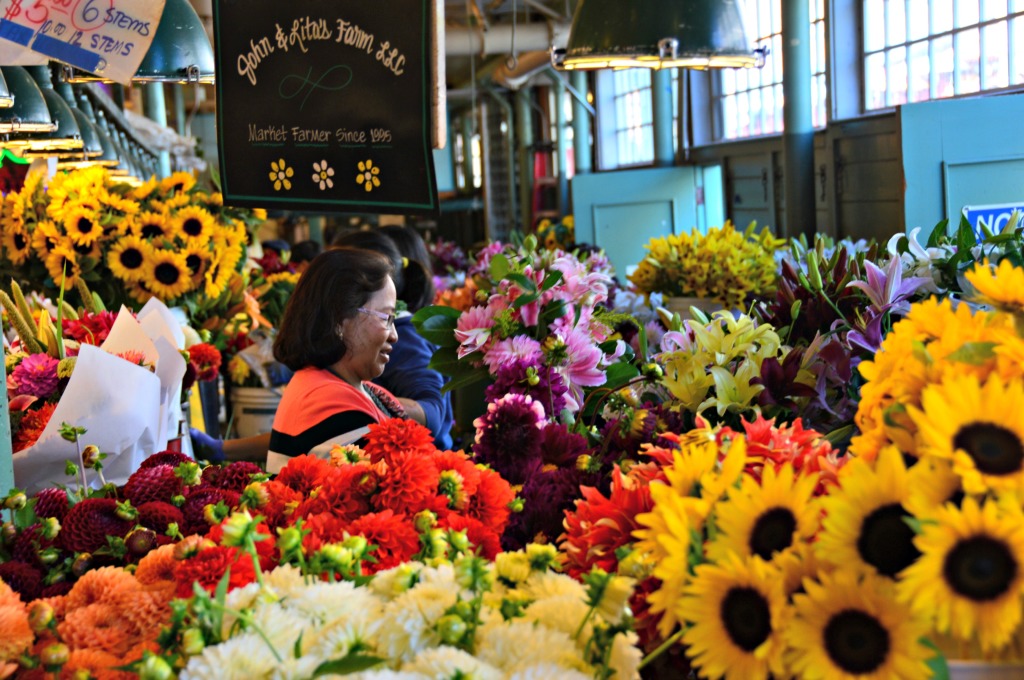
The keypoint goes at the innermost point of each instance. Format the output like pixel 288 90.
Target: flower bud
pixel 82 564
pixel 49 528
pixel 126 511
pixel 70 469
pixel 459 540
pixel 15 500
pixel 90 456
pixel 583 462
pixel 55 655
pixel 512 566
pixel 189 473
pixel 49 556
pixel 155 667
pixel 237 528
pixel 178 500
pixel 288 539
pixel 451 629
pixel 424 521
pixel 337 557
pixel 8 533
pixel 357 544
pixel 40 616
pixel 192 642
pixel 255 495
pixel 189 546
pixel 541 556
pixel 464 610
pixel 140 541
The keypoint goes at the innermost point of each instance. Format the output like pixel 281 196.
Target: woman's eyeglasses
pixel 389 318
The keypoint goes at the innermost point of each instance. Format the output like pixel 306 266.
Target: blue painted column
pixel 561 146
pixel 582 149
pixel 661 104
pixel 798 137
pixel 156 110
pixel 524 151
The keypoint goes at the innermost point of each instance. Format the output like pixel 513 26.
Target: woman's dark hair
pixel 305 251
pixel 415 287
pixel 418 278
pixel 336 284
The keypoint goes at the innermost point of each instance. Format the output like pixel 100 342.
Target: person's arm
pixel 408 377
pixel 219 450
pixel 413 410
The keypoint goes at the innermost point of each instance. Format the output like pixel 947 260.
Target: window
pixel 750 100
pixel 943 48
pixel 634 121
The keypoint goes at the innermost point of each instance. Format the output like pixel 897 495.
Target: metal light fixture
pixel 29 112
pixel 6 98
pixel 109 156
pixel 180 51
pixel 657 34
pixel 67 136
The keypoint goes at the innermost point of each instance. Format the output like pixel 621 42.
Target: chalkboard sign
pixel 325 104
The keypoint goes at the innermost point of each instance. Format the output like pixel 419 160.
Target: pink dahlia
pixel 36 375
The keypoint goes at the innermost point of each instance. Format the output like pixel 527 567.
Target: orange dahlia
pixel 98 586
pixel 303 473
pixel 96 663
pixel 395 537
pixel 158 565
pixel 397 437
pixel 490 503
pixel 15 634
pixel 98 626
pixel 411 485
pixel 344 491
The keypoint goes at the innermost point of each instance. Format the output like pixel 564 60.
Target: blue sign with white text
pixel 992 217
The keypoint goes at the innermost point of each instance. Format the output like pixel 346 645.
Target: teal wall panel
pixel 621 210
pixel 960 152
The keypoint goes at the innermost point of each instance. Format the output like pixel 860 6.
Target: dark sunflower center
pixel 994 449
pixel 130 258
pixel 177 187
pixel 194 262
pixel 152 230
pixel 980 568
pixel 81 249
pixel 886 542
pixel 746 618
pixel 772 532
pixel 84 225
pixel 856 642
pixel 20 242
pixel 192 227
pixel 167 273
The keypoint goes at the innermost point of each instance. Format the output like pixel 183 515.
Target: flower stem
pixel 662 647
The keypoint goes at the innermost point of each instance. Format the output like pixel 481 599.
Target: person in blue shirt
pixel 407 375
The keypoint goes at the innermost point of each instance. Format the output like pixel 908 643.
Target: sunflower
pixel 178 183
pixel 16 244
pixel 138 291
pixel 766 519
pixel 932 483
pixel 128 256
pixel 121 204
pixel 737 611
pixel 167 274
pixel 971 571
pixel 865 524
pixel 62 264
pixel 198 259
pixel 151 225
pixel 978 427
pixel 144 190
pixel 194 225
pixel 45 238
pixel 848 625
pixel 1002 286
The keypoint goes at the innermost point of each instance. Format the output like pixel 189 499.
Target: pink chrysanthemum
pixel 36 375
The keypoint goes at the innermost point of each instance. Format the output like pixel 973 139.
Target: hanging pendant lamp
pixel 657 34
pixel 29 112
pixel 180 51
pixel 6 98
pixel 67 136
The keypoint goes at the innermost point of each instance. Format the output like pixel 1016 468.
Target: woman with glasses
pixel 337 334
pixel 407 375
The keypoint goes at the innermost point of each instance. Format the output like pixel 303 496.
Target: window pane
pixel 942 15
pixel 993 9
pixel 966 13
pixel 996 74
pixel 874 81
pixel 967 58
pixel 920 72
pixel 917 20
pixel 897 77
pixel 895 22
pixel 874 15
pixel 1017 67
pixel 942 66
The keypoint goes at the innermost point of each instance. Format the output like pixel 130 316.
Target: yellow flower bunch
pixel 164 238
pixel 725 265
pixel 557 235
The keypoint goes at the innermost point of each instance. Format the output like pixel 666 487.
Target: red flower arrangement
pixel 90 328
pixel 206 360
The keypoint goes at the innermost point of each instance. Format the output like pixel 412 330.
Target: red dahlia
pixel 172 458
pixel 89 522
pixel 409 486
pixel 157 515
pixel 490 503
pixel 22 578
pixel 485 541
pixel 207 567
pixel 52 502
pixel 304 473
pixel 195 522
pixel 236 476
pixel 396 436
pixel 395 537
pixel 157 483
pixel 27 545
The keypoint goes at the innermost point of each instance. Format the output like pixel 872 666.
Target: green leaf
pixel 499 267
pixel 974 353
pixel 965 238
pixel 437 324
pixel 937 664
pixel 553 277
pixel 619 374
pixel 353 663
pixel 464 380
pixel 938 235
pixel 553 310
pixel 524 299
pixel 523 282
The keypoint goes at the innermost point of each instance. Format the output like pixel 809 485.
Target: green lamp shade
pixel 180 51
pixel 657 34
pixel 67 136
pixel 29 112
pixel 6 98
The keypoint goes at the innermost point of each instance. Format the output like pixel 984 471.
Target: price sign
pixel 105 37
pixel 326 104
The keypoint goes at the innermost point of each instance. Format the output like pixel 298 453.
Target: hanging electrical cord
pixel 512 60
